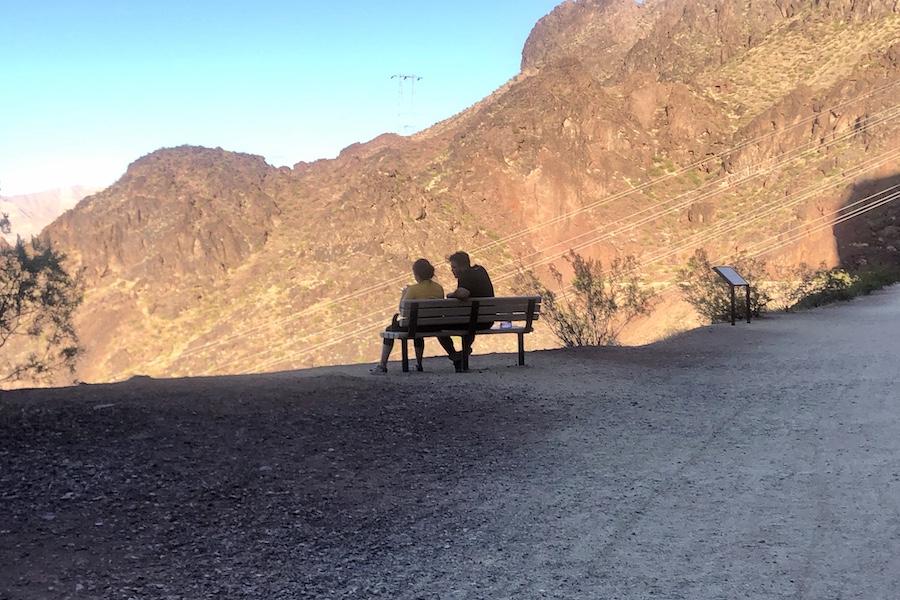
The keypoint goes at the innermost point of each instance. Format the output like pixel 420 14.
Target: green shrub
pixel 830 286
pixel 791 284
pixel 598 305
pixel 876 278
pixel 837 285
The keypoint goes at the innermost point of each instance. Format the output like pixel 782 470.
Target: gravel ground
pixel 753 461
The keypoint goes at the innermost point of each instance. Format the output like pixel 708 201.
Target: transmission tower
pixel 406 110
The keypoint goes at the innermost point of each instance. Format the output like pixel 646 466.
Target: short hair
pixel 423 269
pixel 460 258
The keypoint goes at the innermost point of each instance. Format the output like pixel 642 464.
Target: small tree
pixel 710 296
pixel 599 305
pixel 38 299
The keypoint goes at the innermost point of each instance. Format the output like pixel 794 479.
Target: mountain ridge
pixel 650 129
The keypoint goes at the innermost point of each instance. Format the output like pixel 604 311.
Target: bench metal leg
pixel 405 353
pixel 521 349
pixel 466 350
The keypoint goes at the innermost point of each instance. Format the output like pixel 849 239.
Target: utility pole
pixel 406 111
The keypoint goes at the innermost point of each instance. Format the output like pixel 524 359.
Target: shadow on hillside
pixel 871 236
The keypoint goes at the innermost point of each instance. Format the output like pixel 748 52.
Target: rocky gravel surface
pixel 248 487
pixel 754 461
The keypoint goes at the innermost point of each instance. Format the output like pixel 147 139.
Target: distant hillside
pixel 647 128
pixel 30 213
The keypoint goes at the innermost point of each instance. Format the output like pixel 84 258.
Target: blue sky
pixel 89 86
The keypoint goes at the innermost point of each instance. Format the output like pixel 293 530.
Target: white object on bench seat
pixel 510 314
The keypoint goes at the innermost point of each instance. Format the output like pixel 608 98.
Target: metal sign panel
pixel 730 275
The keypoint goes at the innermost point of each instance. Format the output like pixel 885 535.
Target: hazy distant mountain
pixel 30 213
pixel 647 128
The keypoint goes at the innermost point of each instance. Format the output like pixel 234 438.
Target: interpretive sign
pixel 735 281
pixel 730 275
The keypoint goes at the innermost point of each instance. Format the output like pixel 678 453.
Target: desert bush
pixel 791 284
pixel 710 296
pixel 876 277
pixel 838 285
pixel 833 285
pixel 597 305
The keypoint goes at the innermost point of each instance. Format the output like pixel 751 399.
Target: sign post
pixel 735 281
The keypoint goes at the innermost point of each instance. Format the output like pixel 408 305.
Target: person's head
pixel 459 262
pixel 422 270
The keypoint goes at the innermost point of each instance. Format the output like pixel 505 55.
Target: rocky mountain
pixel 647 128
pixel 30 213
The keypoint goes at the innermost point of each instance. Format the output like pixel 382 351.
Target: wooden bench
pixel 510 314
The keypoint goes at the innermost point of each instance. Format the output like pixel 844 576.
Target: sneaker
pixel 378 369
pixel 419 368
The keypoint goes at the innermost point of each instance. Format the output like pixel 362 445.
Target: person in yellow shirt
pixel 424 288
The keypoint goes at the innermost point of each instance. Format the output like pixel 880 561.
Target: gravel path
pixel 747 461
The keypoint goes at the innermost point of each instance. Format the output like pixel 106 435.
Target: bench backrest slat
pixel 458 312
pixel 452 311
pixel 499 300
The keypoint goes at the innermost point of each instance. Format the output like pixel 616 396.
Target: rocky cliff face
pixel 650 129
pixel 186 214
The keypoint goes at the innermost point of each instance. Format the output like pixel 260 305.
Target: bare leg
pixel 386 352
pixel 420 353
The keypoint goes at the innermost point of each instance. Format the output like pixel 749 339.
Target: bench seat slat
pixel 400 335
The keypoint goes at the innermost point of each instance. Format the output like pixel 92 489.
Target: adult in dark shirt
pixel 473 281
